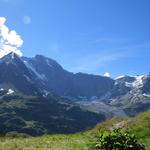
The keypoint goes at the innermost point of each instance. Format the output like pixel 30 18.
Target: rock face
pixel 41 75
pixel 15 75
pixel 129 96
pixel 38 96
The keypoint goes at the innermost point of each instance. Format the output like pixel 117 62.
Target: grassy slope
pixel 139 125
pixel 39 115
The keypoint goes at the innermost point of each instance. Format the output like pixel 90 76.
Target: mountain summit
pixel 41 75
pixel 37 96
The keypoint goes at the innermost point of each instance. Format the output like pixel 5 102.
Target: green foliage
pixel 118 140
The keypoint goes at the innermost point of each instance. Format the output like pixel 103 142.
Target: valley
pixel 139 125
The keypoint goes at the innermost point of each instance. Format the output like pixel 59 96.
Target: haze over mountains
pixel 38 96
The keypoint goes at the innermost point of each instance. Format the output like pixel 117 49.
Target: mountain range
pixel 38 95
pixel 40 75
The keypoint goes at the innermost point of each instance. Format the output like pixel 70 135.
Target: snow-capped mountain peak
pixel 40 74
pixel 138 83
pixel 131 81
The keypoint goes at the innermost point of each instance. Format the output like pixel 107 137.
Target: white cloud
pixel 107 74
pixel 10 41
pixel 26 19
pixel 2 20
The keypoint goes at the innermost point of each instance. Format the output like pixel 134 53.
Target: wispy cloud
pixel 93 62
pixel 109 40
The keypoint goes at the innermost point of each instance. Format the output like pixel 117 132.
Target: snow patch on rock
pixel 138 82
pixel 120 77
pixel 10 91
pixel 30 67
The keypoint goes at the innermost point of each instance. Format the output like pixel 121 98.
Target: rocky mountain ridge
pixel 38 96
pixel 40 75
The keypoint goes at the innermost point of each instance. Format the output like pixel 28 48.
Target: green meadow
pixel 139 125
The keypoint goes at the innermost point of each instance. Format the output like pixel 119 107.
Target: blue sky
pixel 92 36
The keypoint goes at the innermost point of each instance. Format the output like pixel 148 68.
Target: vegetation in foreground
pixel 140 126
pixel 118 139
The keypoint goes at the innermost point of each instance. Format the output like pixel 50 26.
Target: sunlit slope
pixel 139 125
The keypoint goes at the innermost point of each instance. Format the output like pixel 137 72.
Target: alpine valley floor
pixel 139 125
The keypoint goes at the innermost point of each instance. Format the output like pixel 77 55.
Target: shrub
pixel 117 140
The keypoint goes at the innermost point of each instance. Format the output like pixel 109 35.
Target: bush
pixel 117 140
